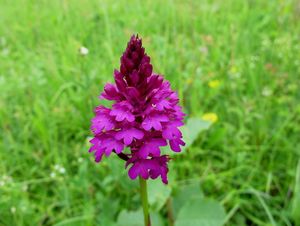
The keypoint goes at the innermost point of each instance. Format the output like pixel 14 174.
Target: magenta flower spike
pixel 145 115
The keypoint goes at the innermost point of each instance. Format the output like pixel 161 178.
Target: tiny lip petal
pixel 153 168
pixel 171 131
pixel 154 121
pixel 121 111
pixel 152 147
pixel 128 134
pixel 163 104
pixel 145 115
pixel 110 92
pixel 175 144
pixel 133 172
pixel 101 122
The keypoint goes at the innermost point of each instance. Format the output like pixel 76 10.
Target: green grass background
pixel 247 160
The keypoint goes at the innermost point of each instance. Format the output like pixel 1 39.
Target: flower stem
pixel 143 186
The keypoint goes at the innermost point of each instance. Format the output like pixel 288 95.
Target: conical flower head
pixel 144 116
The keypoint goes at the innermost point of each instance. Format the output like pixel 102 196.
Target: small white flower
pixel 266 92
pixel 62 170
pixel 56 167
pixel 5 180
pixel 2 183
pixel 25 187
pixel 53 174
pixel 83 51
pixel 13 209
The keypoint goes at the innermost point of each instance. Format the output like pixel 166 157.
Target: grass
pixel 247 160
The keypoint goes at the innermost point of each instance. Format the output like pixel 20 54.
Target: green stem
pixel 143 186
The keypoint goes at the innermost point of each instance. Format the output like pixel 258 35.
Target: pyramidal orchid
pixel 145 115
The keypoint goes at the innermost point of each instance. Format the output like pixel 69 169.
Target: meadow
pixel 236 67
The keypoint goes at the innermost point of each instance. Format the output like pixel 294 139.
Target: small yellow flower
pixel 233 69
pixel 189 81
pixel 214 83
pixel 211 117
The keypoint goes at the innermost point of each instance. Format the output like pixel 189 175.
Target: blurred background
pixel 236 67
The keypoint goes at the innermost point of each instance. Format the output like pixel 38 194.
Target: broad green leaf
pixel 136 218
pixel 156 219
pixel 190 132
pixel 158 193
pixel 192 129
pixel 296 199
pixel 74 221
pixel 184 194
pixel 130 218
pixel 201 212
pixel 107 214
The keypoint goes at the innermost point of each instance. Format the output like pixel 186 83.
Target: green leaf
pixel 184 194
pixel 130 218
pixel 201 212
pixel 190 132
pixel 136 218
pixel 192 129
pixel 158 193
pixel 156 219
pixel 107 214
pixel 296 199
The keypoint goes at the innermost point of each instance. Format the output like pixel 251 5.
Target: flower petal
pixel 154 121
pixel 151 147
pixel 175 144
pixel 128 134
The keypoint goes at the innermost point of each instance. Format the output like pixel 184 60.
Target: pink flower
pixel 144 117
